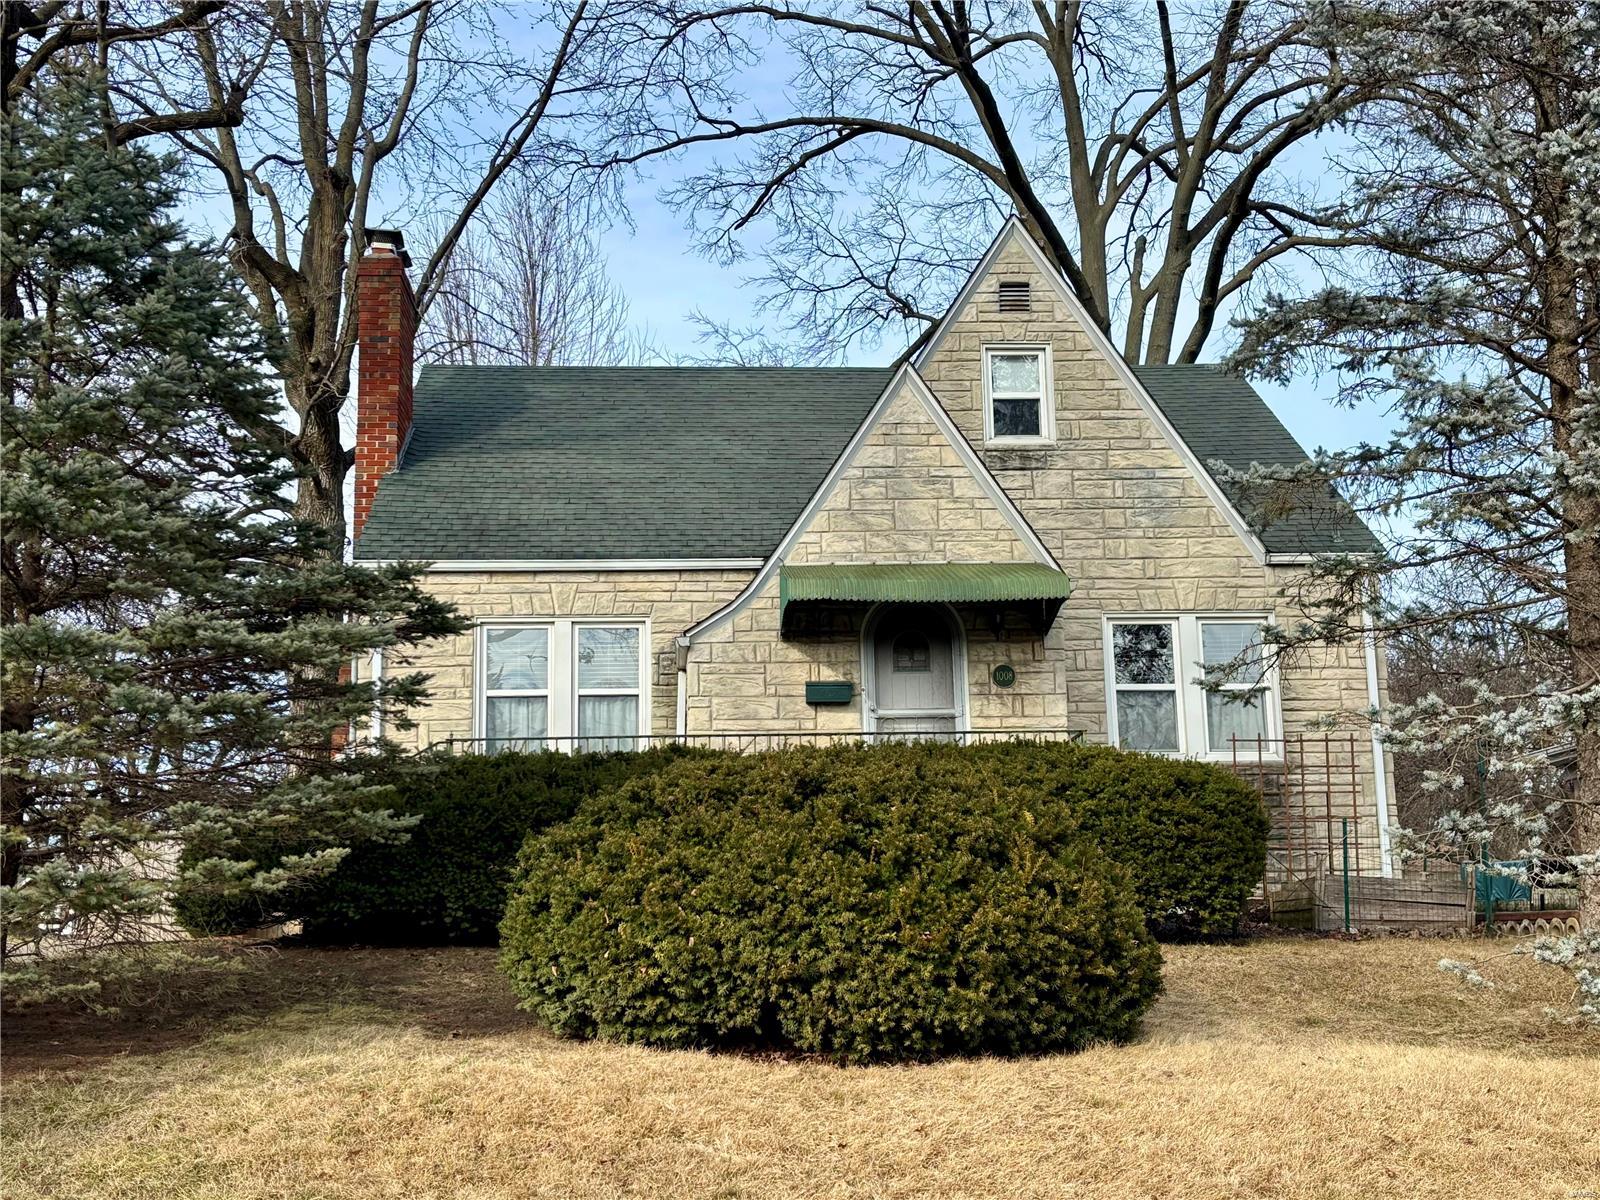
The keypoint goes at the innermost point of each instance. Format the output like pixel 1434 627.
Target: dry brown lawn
pixel 1276 1068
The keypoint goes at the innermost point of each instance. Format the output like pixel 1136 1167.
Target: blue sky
pixel 651 256
pixel 665 280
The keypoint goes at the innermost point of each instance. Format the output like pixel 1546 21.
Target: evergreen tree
pixel 1474 314
pixel 171 635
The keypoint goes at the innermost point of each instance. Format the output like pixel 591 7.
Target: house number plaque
pixel 1004 675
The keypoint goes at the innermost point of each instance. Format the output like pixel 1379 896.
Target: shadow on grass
pixel 1295 992
pixel 445 992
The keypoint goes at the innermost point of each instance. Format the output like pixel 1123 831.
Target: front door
pixel 913 686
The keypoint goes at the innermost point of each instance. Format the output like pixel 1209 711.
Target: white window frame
pixel 1113 687
pixel 1047 395
pixel 561 692
pixel 579 692
pixel 1193 731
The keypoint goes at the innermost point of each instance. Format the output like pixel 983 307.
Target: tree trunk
pixel 319 497
pixel 1559 292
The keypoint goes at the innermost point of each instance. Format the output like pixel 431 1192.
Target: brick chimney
pixel 386 329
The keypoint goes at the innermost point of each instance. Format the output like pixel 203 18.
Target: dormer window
pixel 1017 405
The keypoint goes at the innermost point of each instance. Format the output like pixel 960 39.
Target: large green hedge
pixel 898 902
pixel 1193 835
pixel 447 882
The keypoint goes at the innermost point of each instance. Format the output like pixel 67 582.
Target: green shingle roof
pixel 1221 418
pixel 613 462
pixel 531 463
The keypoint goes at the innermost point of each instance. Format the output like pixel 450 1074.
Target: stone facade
pixel 1122 512
pixel 671 601
pixel 907 496
pixel 1111 500
pixel 1115 504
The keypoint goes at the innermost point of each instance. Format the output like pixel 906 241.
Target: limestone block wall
pixel 1120 509
pixel 672 601
pixel 745 678
pixel 908 497
pixel 1112 500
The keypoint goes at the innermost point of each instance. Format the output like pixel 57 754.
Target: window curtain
pixel 608 722
pixel 1235 714
pixel 517 722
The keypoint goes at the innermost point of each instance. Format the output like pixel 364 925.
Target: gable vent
pixel 1015 296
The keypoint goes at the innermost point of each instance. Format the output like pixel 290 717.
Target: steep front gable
pixel 911 491
pixel 908 488
pixel 1113 446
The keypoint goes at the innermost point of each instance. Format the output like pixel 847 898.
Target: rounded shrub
pixel 447 881
pixel 863 904
pixel 1192 835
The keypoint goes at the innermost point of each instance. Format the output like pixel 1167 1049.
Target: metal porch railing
pixel 746 743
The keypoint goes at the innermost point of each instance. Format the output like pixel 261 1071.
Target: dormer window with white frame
pixel 1017 396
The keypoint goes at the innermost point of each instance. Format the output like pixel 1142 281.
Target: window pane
pixel 516 722
pixel 1228 716
pixel 608 658
pixel 1221 643
pixel 1147 720
pixel 1014 373
pixel 1016 418
pixel 608 722
pixel 519 659
pixel 912 653
pixel 1142 653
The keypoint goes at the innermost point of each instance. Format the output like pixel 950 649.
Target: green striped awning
pixel 1006 584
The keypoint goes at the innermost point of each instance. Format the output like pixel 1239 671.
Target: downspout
pixel 1380 774
pixel 377 703
pixel 681 726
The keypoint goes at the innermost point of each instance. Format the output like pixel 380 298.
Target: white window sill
pixel 1223 757
pixel 1018 443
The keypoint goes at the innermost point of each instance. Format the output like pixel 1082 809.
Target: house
pixel 1014 532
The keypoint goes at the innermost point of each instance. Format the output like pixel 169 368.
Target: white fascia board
pixel 1300 559
pixel 1013 228
pixel 907 374
pixel 579 564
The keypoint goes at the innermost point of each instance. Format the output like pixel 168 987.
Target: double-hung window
pixel 1017 397
pixel 1145 676
pixel 516 686
pixel 608 670
pixel 562 684
pixel 1157 673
